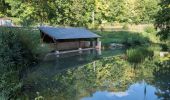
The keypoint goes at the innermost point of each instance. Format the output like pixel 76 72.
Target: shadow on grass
pixel 124 37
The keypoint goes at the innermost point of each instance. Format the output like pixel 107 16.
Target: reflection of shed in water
pixel 66 61
pixel 69 38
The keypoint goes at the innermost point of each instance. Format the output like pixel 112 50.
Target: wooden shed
pixel 69 38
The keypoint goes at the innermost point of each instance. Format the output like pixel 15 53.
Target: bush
pixel 16 55
pixel 139 54
pixel 164 47
pixel 150 29
pixel 135 39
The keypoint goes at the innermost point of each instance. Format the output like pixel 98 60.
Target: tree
pixel 3 8
pixel 117 11
pixel 163 20
pixel 79 12
pixel 15 57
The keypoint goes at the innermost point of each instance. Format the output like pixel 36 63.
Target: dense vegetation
pixel 79 12
pixel 20 48
pixel 136 56
pixel 163 20
pixel 123 37
pixel 19 51
pixel 16 56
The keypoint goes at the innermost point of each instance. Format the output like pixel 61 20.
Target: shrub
pixel 125 27
pixel 135 39
pixel 164 47
pixel 16 54
pixel 139 54
pixel 150 29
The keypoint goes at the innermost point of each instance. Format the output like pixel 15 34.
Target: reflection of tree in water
pixel 162 80
pixel 99 75
pixel 112 74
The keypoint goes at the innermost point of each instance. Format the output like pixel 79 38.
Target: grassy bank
pixel 128 38
pixel 130 35
pixel 123 37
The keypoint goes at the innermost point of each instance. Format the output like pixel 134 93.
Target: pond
pixel 94 76
pixel 137 91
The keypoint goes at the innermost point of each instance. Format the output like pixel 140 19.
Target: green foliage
pixel 80 13
pixel 147 10
pixel 124 37
pixel 136 39
pixel 163 20
pixel 3 8
pixel 164 47
pixel 16 55
pixel 138 55
pixel 150 29
pixel 53 12
pixel 151 32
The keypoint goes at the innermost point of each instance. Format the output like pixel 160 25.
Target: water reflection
pixel 88 76
pixel 162 79
pixel 70 60
pixel 137 91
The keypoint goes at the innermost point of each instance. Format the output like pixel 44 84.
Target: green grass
pixel 137 55
pixel 124 37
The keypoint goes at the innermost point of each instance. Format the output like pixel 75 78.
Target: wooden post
pixel 94 43
pixel 99 52
pixel 42 38
pixel 55 43
pixel 98 44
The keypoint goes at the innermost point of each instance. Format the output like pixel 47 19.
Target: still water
pixel 136 91
pixel 97 76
